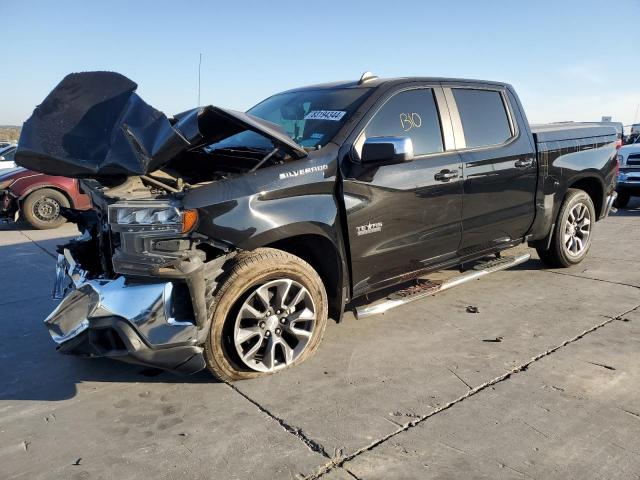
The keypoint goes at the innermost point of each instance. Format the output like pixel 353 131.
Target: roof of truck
pixel 374 82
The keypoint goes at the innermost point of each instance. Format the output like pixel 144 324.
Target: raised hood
pixel 93 124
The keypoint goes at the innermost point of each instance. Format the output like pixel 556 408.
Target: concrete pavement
pixel 423 391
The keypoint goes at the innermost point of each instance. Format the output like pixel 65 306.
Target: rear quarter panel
pixel 564 163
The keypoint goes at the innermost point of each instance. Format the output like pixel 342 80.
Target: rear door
pixel 403 217
pixel 500 171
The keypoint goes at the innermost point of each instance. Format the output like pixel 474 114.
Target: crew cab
pixel 224 240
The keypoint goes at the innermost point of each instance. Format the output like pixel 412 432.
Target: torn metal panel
pixel 135 322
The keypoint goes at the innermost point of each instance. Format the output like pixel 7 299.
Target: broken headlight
pixel 151 216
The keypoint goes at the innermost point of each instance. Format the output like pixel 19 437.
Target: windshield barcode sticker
pixel 333 115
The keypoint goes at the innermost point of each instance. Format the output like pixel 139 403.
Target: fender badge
pixel 303 171
pixel 369 228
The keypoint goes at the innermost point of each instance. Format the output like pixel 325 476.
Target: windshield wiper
pixel 241 149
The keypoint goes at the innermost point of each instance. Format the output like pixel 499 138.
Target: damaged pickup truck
pixel 225 240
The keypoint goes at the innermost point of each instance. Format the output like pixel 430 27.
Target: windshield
pixel 310 117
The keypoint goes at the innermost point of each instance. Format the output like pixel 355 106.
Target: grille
pixel 633 159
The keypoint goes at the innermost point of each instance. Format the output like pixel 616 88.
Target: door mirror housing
pixel 2 159
pixel 387 150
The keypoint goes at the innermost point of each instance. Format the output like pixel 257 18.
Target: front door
pixel 404 217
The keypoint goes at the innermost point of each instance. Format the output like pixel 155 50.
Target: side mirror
pixel 387 150
pixel 2 159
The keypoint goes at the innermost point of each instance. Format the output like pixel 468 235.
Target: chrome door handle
pixel 446 175
pixel 524 163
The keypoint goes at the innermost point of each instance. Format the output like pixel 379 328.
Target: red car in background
pixel 37 197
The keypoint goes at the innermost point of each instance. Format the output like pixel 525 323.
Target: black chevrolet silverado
pixel 224 240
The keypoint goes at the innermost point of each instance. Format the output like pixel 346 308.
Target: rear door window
pixel 484 117
pixel 413 114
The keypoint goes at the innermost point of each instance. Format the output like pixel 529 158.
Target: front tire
pixel 42 208
pixel 270 313
pixel 572 236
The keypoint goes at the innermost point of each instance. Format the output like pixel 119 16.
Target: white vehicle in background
pixel 634 134
pixel 6 157
pixel 629 175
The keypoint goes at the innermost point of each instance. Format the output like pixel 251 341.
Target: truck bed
pixel 554 132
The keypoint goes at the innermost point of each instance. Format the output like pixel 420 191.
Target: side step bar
pixel 426 287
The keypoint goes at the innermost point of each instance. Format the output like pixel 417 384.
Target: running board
pixel 424 288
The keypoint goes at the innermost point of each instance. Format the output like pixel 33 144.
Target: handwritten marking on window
pixel 410 120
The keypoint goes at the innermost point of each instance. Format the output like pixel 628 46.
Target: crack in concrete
pixel 460 378
pixel 637 415
pixel 339 463
pixel 590 278
pixel 38 245
pixel 296 432
pixel 602 365
pixel 535 429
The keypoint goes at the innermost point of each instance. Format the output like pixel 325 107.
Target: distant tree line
pixel 9 133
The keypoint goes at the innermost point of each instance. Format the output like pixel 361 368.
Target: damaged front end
pixel 137 285
pixel 134 285
pixel 135 322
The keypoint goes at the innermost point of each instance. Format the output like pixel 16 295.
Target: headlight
pixel 622 177
pixel 620 159
pixel 151 216
pixel 147 216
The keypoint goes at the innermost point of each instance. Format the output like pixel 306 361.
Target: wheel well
pixel 594 189
pixel 323 256
pixel 50 187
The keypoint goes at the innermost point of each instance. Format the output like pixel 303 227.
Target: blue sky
pixel 565 58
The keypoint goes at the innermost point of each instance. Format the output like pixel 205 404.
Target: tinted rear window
pixel 483 115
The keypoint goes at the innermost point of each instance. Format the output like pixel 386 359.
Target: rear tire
pixel 623 200
pixel 571 238
pixel 42 208
pixel 269 314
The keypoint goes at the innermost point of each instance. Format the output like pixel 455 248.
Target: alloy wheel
pixel 577 230
pixel 274 325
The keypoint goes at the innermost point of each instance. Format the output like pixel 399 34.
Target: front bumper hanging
pixel 121 319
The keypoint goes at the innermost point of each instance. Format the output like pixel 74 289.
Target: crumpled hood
pixel 93 124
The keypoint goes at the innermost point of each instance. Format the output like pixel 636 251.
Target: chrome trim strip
pixel 445 119
pixel 456 122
